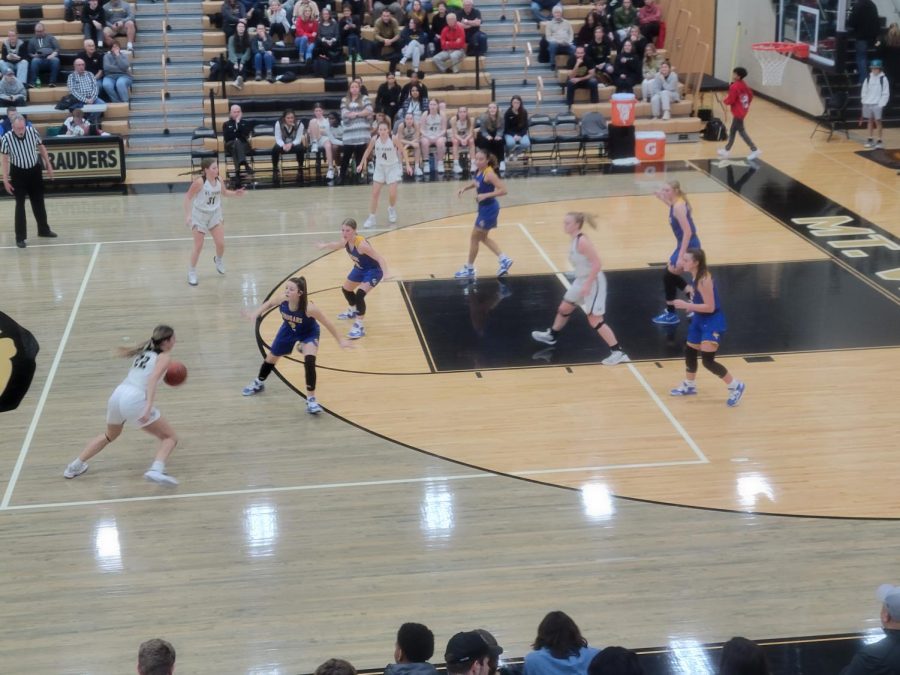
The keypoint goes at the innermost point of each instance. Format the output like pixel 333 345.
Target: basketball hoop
pixel 773 57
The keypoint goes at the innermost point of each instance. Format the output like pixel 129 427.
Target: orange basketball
pixel 176 373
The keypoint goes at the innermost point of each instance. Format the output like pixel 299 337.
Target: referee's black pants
pixel 29 184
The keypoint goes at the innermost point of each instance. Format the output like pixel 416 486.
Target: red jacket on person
pixel 308 28
pixel 739 97
pixel 453 38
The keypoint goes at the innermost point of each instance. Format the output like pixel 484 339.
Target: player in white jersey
pixel 203 214
pixel 388 152
pixel 588 290
pixel 132 402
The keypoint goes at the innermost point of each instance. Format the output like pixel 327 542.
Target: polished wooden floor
pixel 292 539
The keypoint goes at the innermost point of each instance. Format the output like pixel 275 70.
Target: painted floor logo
pixel 18 354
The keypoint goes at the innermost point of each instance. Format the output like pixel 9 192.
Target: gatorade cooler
pixel 650 146
pixel 623 106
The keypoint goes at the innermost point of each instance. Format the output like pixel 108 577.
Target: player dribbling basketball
pixel 132 402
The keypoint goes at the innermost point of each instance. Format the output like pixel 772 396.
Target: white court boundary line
pixel 701 458
pixel 487 473
pixel 26 444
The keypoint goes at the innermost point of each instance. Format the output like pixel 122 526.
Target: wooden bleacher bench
pixel 379 67
pixel 55 27
pixel 263 89
pixel 434 82
pixel 683 124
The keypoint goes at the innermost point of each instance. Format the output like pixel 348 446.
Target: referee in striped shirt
pixel 22 175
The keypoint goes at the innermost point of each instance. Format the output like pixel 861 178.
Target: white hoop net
pixel 773 58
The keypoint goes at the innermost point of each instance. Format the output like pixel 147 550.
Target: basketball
pixel 176 374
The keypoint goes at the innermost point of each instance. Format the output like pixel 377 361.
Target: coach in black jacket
pixel 883 657
pixel 237 132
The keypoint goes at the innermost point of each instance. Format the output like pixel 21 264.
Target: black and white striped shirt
pixel 23 152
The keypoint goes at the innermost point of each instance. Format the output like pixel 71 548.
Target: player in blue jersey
pixel 369 267
pixel 301 324
pixel 682 223
pixel 705 331
pixel 488 186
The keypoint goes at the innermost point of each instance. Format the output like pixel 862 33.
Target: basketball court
pixel 463 475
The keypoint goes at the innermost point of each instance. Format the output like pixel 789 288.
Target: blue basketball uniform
pixel 488 209
pixel 693 242
pixel 365 268
pixel 706 326
pixel 297 327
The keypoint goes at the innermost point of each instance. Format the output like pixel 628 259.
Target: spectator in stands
pixel 865 24
pixel 649 20
pixel 387 36
pixel 254 11
pixel 649 68
pixel 313 8
pixel 328 39
pixel 559 35
pixel 279 22
pixel 598 55
pixel 356 114
pixel 490 134
pixel 335 667
pixel 6 123
pixel 84 88
pixel 43 50
pixel 462 136
pixel 515 128
pixel 740 656
pixel 437 23
pixel 453 46
pixel 93 60
pixel 559 648
pixel 538 7
pixel 624 18
pixel 638 41
pixel 306 28
pixel 387 98
pixel 496 651
pixel 351 32
pixel 117 78
pixel 470 19
pixel 615 661
pixel 14 56
pixel 665 91
pixel 604 15
pixel 469 654
pixel 433 132
pixel 586 32
pixel 413 40
pixel 627 71
pixel 414 104
pixel 232 14
pixel 882 656
pixel 93 20
pixel 412 651
pixel 120 21
pixel 581 76
pixel 889 50
pixel 288 140
pixel 418 11
pixel 156 657
pixel 261 46
pixel 320 138
pixel 12 92
pixel 395 7
pixel 415 80
pixel 76 125
pixel 239 53
pixel 236 132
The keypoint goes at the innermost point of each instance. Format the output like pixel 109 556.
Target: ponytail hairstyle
pixel 676 188
pixel 699 256
pixel 205 163
pixel 300 283
pixel 160 334
pixel 491 160
pixel 581 218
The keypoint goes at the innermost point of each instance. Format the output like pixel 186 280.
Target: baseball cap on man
pixel 467 647
pixel 876 63
pixel 890 597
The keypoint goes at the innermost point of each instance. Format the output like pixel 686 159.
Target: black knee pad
pixel 709 362
pixel 350 296
pixel 690 359
pixel 309 367
pixel 361 301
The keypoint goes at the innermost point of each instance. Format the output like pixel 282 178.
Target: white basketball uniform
pixel 206 211
pixel 387 162
pixel 593 298
pixel 128 400
pixel 431 127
